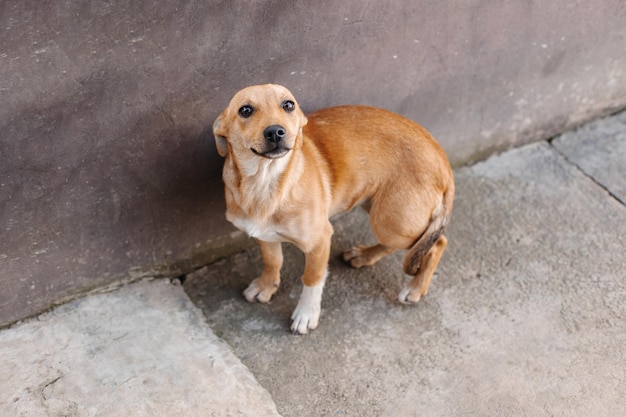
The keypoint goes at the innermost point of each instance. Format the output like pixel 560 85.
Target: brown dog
pixel 285 175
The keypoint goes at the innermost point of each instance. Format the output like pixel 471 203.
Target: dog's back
pixel 370 149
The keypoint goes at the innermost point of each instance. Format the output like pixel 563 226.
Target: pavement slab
pixel 143 350
pixel 599 149
pixel 525 316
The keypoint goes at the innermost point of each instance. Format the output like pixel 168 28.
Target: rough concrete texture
pixel 144 350
pixel 598 149
pixel 524 318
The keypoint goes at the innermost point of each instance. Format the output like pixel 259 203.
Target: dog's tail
pixel 438 222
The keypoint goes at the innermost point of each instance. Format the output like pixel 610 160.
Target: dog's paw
pixel 306 316
pixel 305 319
pixel 355 256
pixel 258 292
pixel 409 295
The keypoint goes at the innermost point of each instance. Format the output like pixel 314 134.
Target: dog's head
pixel 264 121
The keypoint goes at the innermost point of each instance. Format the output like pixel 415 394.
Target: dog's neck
pixel 257 185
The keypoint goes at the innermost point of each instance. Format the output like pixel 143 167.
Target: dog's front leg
pixel 262 288
pixel 307 313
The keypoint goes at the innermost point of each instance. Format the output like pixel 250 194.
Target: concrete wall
pixel 107 166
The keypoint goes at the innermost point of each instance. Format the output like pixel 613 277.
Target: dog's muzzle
pixel 274 133
pixel 275 146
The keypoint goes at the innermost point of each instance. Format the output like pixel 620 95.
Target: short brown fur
pixel 330 162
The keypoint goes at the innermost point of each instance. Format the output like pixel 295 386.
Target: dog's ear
pixel 303 119
pixel 220 133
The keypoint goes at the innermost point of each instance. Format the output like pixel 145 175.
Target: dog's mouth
pixel 275 153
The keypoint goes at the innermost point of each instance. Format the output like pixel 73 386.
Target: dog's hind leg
pixel 359 256
pixel 418 286
pixel 262 288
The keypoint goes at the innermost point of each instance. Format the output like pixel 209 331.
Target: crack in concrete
pixel 585 173
pixel 45 385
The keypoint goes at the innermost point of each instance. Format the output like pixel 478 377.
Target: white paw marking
pixel 408 296
pixel 307 313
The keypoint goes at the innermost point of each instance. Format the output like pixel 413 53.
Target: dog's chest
pixel 266 231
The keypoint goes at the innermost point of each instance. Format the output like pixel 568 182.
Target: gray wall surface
pixel 107 165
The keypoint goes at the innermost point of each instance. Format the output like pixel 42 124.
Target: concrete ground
pixel 525 317
pixel 143 350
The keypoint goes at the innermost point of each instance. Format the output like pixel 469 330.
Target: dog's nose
pixel 274 133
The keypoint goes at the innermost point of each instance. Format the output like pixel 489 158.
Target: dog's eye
pixel 245 111
pixel 288 106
